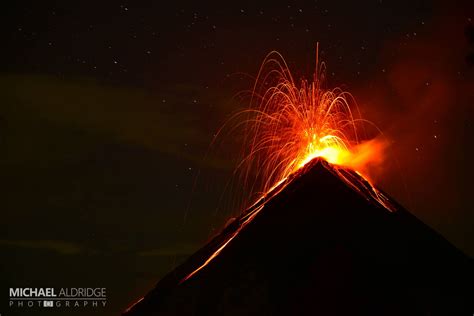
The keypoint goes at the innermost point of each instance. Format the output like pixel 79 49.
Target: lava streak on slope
pixel 352 178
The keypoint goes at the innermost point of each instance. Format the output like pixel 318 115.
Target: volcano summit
pixel 321 244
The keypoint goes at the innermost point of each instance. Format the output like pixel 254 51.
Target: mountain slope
pixel 319 246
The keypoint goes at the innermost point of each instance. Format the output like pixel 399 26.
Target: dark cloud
pixel 61 247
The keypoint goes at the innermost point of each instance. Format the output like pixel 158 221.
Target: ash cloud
pixel 423 101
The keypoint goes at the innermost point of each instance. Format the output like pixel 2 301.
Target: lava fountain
pixel 288 125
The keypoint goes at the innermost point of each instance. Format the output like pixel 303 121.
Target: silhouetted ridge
pixel 320 247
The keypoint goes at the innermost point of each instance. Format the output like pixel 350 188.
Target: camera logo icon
pixel 47 303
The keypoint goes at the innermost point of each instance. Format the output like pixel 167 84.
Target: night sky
pixel 107 110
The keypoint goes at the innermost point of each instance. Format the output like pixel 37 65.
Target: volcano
pixel 320 244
